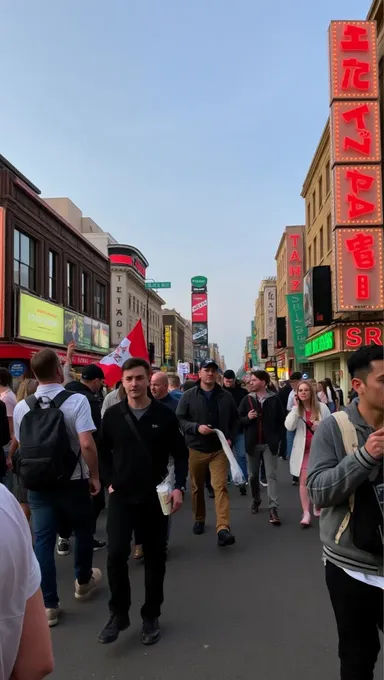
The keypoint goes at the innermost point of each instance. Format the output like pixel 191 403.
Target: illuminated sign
pixel 357 174
pixel 167 342
pixel 40 320
pixel 323 343
pixel 270 318
pixel 2 271
pixel 199 281
pixel 359 269
pixel 295 259
pixel 199 307
pixel 355 336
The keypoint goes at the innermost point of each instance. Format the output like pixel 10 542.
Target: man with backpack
pixel 58 466
pixel 345 479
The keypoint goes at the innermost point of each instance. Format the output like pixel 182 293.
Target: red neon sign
pixel 356 336
pixel 357 199
pixel 356 132
pixel 295 256
pixel 359 269
pixel 353 60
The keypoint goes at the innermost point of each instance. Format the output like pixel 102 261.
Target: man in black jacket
pixel 238 393
pixel 137 437
pixel 262 416
pixel 201 410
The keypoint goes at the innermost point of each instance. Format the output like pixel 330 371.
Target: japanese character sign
pixel 356 132
pixel 353 60
pixel 360 272
pixel 357 195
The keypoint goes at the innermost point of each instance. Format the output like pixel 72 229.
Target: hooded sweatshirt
pixel 268 428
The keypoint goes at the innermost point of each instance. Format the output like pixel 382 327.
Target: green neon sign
pixel 323 343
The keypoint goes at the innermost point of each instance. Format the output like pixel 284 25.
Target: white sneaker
pixel 53 616
pixel 82 591
pixel 306 520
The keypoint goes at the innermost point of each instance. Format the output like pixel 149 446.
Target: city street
pixel 259 610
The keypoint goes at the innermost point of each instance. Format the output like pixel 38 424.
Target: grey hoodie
pixel 333 476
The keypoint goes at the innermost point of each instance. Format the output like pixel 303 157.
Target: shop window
pixel 52 275
pixel 129 301
pixel 24 261
pixel 100 300
pixel 329 232
pixel 70 284
pixel 84 293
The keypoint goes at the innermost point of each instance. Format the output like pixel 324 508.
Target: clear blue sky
pixel 183 127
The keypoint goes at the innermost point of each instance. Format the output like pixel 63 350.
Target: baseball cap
pixel 92 372
pixel 229 374
pixel 208 362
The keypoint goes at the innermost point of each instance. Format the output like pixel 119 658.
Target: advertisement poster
pixel 77 328
pixel 167 342
pixel 40 320
pixel 200 333
pixel 199 307
pixel 100 336
pixel 299 330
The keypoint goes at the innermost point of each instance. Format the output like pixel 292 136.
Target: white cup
pixel 163 492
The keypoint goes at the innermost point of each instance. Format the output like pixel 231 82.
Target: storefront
pixel 329 350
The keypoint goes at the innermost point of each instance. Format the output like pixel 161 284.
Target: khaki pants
pixel 218 466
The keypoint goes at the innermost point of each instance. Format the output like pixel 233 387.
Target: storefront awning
pixel 18 350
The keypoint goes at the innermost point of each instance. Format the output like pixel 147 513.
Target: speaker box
pixel 281 330
pixel 264 348
pixel 319 308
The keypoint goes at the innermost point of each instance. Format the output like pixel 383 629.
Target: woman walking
pixel 303 420
pixel 333 401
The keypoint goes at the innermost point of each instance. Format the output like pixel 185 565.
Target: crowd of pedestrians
pixel 65 451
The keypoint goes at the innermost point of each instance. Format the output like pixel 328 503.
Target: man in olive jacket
pixel 201 410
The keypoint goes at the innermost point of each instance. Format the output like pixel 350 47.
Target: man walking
pixel 238 393
pixel 68 499
pixel 201 410
pixel 174 386
pixel 345 479
pixel 137 437
pixel 159 390
pixel 262 416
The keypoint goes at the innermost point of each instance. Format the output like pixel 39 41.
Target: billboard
pixel 40 320
pixel 167 342
pixel 100 336
pixel 199 308
pixel 200 333
pixel 78 328
pixel 295 259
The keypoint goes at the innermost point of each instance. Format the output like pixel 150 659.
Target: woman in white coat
pixel 304 418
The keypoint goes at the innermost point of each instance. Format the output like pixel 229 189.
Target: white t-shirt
pixel 369 579
pixel 19 578
pixel 77 416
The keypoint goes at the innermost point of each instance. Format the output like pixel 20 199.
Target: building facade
pixel 55 285
pixel 265 319
pixel 174 333
pixel 188 343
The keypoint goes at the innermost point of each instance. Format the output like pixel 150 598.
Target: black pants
pixel 358 609
pixel 121 522
pixel 98 504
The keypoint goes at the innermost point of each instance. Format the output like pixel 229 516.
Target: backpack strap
pixel 61 398
pixel 31 401
pixel 350 441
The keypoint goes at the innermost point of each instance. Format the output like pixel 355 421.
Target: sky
pixel 183 127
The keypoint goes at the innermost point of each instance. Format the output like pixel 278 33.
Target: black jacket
pixel 123 462
pixel 283 395
pixel 76 386
pixel 237 392
pixel 219 411
pixel 273 418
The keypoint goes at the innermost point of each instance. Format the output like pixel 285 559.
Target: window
pixel 314 205
pixel 320 191
pixel 327 178
pixel 309 215
pixel 52 275
pixel 84 292
pixel 70 284
pixel 309 257
pixel 129 301
pixel 329 232
pixel 321 243
pixel 314 251
pixel 100 301
pixel 24 260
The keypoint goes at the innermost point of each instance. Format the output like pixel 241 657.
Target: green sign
pixel 323 343
pixel 199 281
pixel 254 343
pixel 299 330
pixel 157 284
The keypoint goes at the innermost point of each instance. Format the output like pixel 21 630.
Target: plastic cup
pixel 163 494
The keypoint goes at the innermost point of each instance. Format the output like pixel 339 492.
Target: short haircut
pixel 45 364
pixel 136 362
pixel 359 364
pixel 173 380
pixel 262 375
pixel 5 377
pixel 296 376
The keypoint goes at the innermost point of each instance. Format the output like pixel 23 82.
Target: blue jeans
pixel 241 454
pixel 290 438
pixel 72 502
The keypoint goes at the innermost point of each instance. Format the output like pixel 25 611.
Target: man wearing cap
pixel 201 410
pixel 238 393
pixel 90 385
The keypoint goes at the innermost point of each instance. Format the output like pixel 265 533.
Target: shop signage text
pixel 299 330
pixel 167 342
pixel 199 281
pixel 323 343
pixel 199 307
pixel 356 336
pixel 157 284
pixel 295 258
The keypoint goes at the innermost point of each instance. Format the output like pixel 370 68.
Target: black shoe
pixel 198 528
pixel 224 538
pixel 211 492
pixel 111 630
pixel 150 632
pixel 254 508
pixel 274 517
pixel 243 489
pixel 295 481
pixel 98 545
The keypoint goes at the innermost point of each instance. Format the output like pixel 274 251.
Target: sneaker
pixel 316 511
pixel 243 489
pixel 254 509
pixel 112 629
pixel 63 546
pixel 198 528
pixel 295 481
pixel 82 591
pixel 306 520
pixel 98 545
pixel 53 616
pixel 274 517
pixel 224 538
pixel 263 481
pixel 139 553
pixel 150 632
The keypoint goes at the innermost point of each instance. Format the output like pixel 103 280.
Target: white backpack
pixel 350 441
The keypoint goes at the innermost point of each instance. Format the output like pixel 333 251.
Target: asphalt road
pixel 257 610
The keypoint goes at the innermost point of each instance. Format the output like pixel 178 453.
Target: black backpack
pixel 46 458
